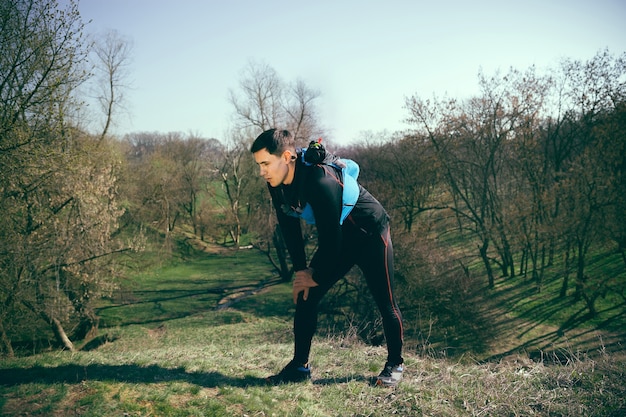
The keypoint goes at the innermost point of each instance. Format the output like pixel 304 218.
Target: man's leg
pixel 376 262
pixel 305 319
pixel 305 325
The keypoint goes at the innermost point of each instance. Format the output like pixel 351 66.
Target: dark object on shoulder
pixel 315 153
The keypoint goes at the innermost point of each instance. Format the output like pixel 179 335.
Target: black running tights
pixel 374 256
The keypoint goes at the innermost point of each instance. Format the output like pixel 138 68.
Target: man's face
pixel 274 169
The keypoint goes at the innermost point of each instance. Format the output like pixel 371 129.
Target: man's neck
pixel 291 174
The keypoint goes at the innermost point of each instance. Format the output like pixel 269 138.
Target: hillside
pixel 212 364
pixel 196 337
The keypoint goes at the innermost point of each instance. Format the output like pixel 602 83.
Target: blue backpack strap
pixel 350 173
pixel 307 214
pixel 350 188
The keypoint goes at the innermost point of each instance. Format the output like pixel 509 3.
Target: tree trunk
pixel 485 258
pixel 61 336
pixel 523 262
pixel 508 264
pixel 55 324
pixel 563 292
pixel 87 328
pixel 590 301
pixel 580 273
pixel 6 342
pixel 540 273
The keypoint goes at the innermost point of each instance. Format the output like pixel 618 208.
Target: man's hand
pixel 302 283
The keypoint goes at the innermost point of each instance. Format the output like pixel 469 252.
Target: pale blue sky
pixel 363 56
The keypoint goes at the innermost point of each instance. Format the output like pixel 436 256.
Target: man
pixel 302 189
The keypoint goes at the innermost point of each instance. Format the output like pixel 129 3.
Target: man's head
pixel 275 152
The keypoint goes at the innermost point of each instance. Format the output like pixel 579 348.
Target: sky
pixel 364 57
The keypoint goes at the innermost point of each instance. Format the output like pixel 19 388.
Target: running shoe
pixel 390 376
pixel 293 372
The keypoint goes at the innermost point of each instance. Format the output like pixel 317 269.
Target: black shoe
pixel 293 372
pixel 390 376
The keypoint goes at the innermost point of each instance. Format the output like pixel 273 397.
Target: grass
pixel 517 315
pixel 212 364
pixel 541 320
pixel 187 285
pixel 180 341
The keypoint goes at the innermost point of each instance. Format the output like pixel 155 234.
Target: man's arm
pixel 325 197
pixel 292 233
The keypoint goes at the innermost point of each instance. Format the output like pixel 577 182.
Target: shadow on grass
pixel 572 340
pixel 157 306
pixel 344 379
pixel 555 330
pixel 73 374
pixel 134 374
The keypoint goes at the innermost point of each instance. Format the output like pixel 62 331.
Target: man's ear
pixel 289 156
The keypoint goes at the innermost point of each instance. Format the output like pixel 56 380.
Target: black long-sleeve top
pixel 321 187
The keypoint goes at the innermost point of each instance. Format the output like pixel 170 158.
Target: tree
pixel 475 143
pixel 37 75
pixel 612 130
pixel 589 184
pixel 168 179
pixel 264 101
pixel 158 197
pixel 533 165
pixel 57 190
pixel 401 172
pixel 301 111
pixel 259 105
pixel 40 67
pixel 112 53
pixel 238 180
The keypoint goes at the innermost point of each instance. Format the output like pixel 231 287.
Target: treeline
pixel 529 177
pixel 58 186
pixel 547 159
pixel 530 170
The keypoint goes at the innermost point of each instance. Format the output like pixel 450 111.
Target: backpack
pixel 315 154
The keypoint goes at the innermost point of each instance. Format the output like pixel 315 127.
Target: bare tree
pixel 113 54
pixel 264 101
pixel 238 179
pixel 401 172
pixel 531 166
pixel 590 184
pixel 260 103
pixel 301 112
pixel 473 144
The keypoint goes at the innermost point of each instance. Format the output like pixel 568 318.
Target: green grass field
pixel 196 335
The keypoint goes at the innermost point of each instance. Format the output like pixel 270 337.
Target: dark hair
pixel 275 141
